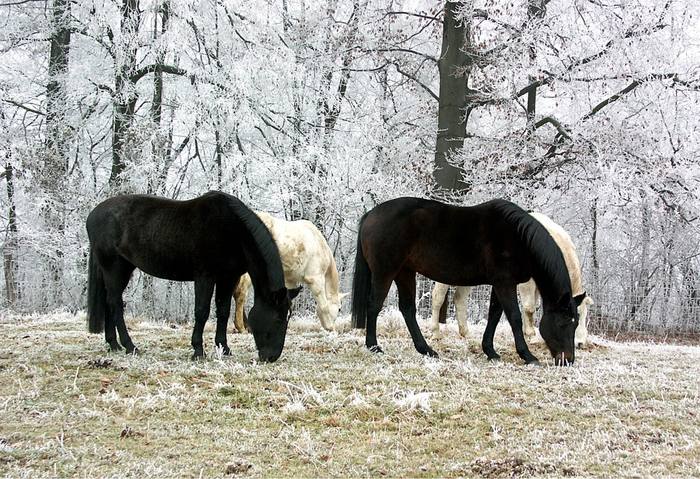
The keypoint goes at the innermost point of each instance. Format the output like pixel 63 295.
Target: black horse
pixel 496 243
pixel 211 240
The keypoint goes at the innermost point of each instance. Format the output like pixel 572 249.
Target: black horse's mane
pixel 548 257
pixel 263 241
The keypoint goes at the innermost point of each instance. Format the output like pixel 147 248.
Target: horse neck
pixel 548 264
pixel 568 250
pixel 332 280
pixel 260 251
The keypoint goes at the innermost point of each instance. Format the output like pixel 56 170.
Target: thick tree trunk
pixel 535 11
pixel 454 66
pixel 124 93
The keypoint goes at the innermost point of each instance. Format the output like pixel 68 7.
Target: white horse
pixel 306 258
pixel 528 291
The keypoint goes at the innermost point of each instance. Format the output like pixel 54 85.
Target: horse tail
pixel 97 296
pixel 442 316
pixel 361 284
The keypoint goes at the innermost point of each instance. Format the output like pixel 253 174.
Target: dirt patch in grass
pixel 330 408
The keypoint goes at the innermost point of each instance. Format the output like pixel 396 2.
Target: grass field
pixel 330 408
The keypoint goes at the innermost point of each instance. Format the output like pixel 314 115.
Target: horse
pixel 306 259
pixel 527 291
pixel 496 243
pixel 211 240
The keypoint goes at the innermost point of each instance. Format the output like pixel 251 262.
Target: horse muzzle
pixel 265 357
pixel 564 359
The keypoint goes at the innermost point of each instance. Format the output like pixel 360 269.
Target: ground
pixel 330 408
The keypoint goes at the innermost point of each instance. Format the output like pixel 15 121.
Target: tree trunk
pixel 12 291
pixel 124 92
pixel 597 291
pixel 535 11
pixel 57 142
pixel 158 144
pixel 454 66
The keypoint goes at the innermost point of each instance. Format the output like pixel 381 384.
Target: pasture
pixel 328 407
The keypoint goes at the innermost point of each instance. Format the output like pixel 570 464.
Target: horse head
pixel 268 320
pixel 558 326
pixel 334 304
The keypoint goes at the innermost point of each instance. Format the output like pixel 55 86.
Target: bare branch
pixel 556 124
pixel 550 77
pixel 436 18
pixel 405 50
pixel 20 2
pixel 103 87
pixel 141 72
pixel 24 107
pixel 412 77
pixel 484 15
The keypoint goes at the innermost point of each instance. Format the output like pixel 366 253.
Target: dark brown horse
pixel 496 243
pixel 211 240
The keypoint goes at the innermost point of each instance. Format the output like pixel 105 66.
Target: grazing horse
pixel 211 240
pixel 528 291
pixel 306 258
pixel 496 243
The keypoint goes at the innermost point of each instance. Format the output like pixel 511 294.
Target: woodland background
pixel 586 110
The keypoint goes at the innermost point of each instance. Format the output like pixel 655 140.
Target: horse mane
pixel 551 273
pixel 263 241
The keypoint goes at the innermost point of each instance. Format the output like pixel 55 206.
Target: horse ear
pixel 579 298
pixel 293 293
pixel 565 303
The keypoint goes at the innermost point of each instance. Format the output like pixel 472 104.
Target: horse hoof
pixel 533 362
pixel 494 358
pixel 431 353
pixel 375 349
pixel 133 350
pixel 428 351
pixel 114 348
pixel 198 354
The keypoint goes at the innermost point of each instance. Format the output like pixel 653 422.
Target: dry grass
pixel 329 408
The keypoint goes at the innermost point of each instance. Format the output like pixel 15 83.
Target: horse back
pixel 302 247
pixel 454 245
pixel 171 239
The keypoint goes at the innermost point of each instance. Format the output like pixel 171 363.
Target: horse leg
pixel 508 298
pixel 461 300
pixel 240 293
pixel 203 290
pixel 379 290
pixel 318 289
pixel 439 295
pixel 581 334
pixel 495 311
pixel 224 290
pixel 528 297
pixel 111 331
pixel 406 284
pixel 116 279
